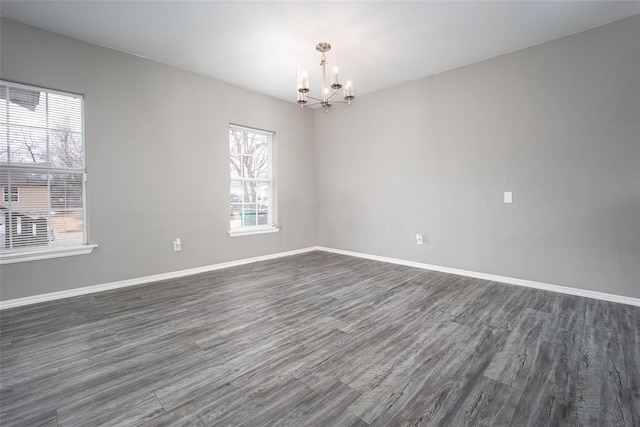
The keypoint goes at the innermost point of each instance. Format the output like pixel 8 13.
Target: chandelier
pixel 326 95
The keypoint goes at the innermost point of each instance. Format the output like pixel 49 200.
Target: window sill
pixel 34 255
pixel 253 230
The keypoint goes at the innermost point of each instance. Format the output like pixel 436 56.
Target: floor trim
pixel 17 302
pixel 502 279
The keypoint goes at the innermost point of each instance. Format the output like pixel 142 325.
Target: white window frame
pixel 271 226
pixel 39 253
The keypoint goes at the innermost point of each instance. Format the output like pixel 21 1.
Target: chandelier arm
pixel 320 103
pixel 325 99
pixel 312 104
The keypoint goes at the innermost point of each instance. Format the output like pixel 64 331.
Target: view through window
pixel 42 169
pixel 251 191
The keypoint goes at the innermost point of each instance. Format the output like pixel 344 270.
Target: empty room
pixel 320 213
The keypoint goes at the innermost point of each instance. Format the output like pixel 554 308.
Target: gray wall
pixel 157 160
pixel 558 124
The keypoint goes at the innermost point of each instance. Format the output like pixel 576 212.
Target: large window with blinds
pixel 251 206
pixel 42 169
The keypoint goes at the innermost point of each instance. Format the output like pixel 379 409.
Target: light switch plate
pixel 508 197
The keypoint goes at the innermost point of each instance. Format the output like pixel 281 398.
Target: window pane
pixel 246 165
pixel 235 166
pixel 40 134
pixel 4 104
pixel 249 166
pixel 45 209
pixel 250 192
pixel 25 113
pixel 250 203
pixel 66 191
pixel 65 149
pixel 263 206
pixel 249 154
pixel 24 214
pixel 27 107
pixel 67 228
pixel 235 151
pixel 235 204
pixel 65 113
pixel 236 191
pixel 43 128
pixel 261 158
pixel 4 146
pixel 28 145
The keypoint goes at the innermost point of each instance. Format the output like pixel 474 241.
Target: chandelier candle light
pixel 326 95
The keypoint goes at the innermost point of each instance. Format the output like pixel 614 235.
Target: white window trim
pixel 247 231
pixel 271 227
pixel 16 256
pixel 35 255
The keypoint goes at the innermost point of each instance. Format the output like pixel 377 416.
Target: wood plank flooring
pixel 321 339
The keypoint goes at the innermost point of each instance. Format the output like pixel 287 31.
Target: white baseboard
pixel 181 273
pixel 17 302
pixel 503 279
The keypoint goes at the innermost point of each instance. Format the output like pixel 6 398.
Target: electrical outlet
pixel 177 245
pixel 419 239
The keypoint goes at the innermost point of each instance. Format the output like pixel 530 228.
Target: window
pixel 42 171
pixel 14 194
pixel 251 207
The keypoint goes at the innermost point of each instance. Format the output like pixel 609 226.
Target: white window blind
pixel 251 176
pixel 42 168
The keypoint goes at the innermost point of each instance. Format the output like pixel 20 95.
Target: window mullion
pixel 46 118
pixel 49 219
pixel 40 169
pixel 10 216
pixel 6 89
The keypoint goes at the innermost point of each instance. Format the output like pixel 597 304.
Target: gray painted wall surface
pixel 157 160
pixel 558 124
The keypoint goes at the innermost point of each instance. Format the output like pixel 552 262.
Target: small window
pixel 42 170
pixel 251 207
pixel 14 194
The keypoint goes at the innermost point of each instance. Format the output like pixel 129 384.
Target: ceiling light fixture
pixel 326 94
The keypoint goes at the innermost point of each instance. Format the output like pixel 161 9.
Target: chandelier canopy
pixel 328 91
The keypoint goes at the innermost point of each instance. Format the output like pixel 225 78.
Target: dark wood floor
pixel 321 339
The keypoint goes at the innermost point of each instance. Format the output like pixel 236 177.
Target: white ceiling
pixel 259 45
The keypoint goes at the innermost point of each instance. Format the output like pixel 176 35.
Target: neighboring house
pixel 24 196
pixel 24 205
